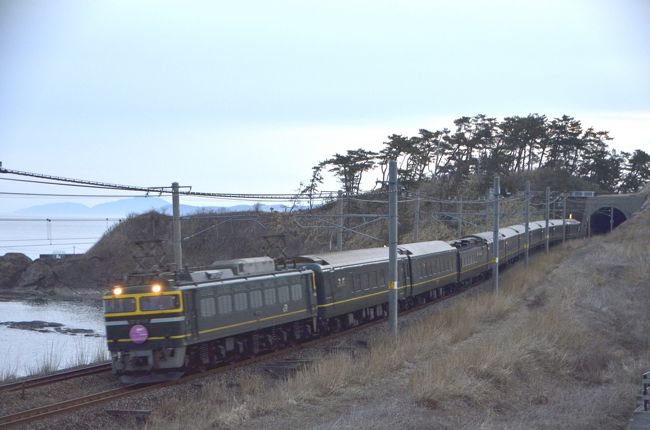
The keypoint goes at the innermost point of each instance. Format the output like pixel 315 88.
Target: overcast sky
pixel 246 96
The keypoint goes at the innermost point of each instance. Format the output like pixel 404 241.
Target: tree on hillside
pixel 481 146
pixel 522 136
pixel 563 143
pixel 350 168
pixel 392 151
pixel 312 186
pixel 637 172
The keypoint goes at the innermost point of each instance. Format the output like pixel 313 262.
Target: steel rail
pixel 55 377
pixel 68 405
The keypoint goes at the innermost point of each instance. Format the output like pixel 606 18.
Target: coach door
pixel 404 270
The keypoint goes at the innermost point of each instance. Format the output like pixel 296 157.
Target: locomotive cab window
pixel 119 305
pixel 159 303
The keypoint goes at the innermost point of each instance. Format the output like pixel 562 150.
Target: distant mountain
pixel 134 205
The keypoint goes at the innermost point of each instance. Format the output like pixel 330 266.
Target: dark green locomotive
pixel 162 326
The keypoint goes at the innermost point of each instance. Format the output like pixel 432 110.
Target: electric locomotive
pixel 159 327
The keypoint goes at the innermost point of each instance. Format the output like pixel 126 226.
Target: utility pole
pixel 176 228
pixel 393 287
pixel 611 219
pixel 339 222
pixel 564 219
pixel 416 230
pixel 554 208
pixel 460 217
pixel 495 236
pixel 527 220
pixel 546 214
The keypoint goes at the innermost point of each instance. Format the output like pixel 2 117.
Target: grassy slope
pixel 562 346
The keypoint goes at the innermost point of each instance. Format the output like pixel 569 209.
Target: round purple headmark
pixel 138 333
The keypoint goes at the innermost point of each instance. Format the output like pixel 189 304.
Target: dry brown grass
pixel 559 336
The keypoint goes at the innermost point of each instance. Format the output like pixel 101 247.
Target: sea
pixel 40 235
pixel 51 335
pixel 66 333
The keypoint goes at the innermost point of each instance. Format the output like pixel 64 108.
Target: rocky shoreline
pixel 78 278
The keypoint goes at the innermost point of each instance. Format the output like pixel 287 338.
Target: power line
pixel 72 195
pixel 60 219
pixel 46 244
pixel 32 240
pixel 321 195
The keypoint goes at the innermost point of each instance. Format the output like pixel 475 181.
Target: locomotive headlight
pixel 117 290
pixel 156 288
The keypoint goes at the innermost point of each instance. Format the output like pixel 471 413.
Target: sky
pixel 247 96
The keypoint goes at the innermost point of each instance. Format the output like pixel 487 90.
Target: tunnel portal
pixel 606 218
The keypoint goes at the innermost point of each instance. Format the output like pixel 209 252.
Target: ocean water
pixel 35 236
pixel 26 350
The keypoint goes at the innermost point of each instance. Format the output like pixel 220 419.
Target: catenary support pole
pixel 460 217
pixel 176 228
pixel 416 230
pixel 564 219
pixel 392 247
pixel 546 215
pixel 339 222
pixel 611 219
pixel 495 236
pixel 526 222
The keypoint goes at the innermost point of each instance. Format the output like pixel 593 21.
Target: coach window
pixel 269 296
pixel 224 305
pixel 357 282
pixel 365 281
pixel 283 294
pixel 296 292
pixel 241 302
pixel 255 299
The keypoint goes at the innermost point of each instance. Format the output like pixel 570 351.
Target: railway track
pixel 53 409
pixel 67 405
pixel 55 377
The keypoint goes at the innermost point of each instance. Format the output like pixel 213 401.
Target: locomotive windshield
pixel 159 303
pixel 119 305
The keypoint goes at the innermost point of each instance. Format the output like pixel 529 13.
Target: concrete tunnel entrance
pixel 606 218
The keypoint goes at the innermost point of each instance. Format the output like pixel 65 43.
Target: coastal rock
pixel 49 327
pixel 12 266
pixel 37 275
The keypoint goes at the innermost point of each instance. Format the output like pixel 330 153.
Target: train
pixel 160 326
